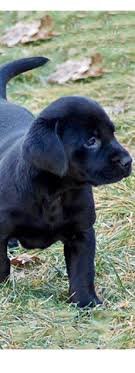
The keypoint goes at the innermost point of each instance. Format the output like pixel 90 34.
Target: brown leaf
pixel 124 304
pixel 95 71
pixel 19 32
pixel 75 70
pixel 47 21
pixel 41 35
pixel 24 259
pixel 24 32
pixel 96 58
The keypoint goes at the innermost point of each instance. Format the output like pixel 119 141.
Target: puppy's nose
pixel 124 161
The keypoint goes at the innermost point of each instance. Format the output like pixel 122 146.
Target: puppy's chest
pixel 53 213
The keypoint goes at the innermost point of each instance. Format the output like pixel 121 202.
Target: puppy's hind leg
pixel 6 229
pixel 4 261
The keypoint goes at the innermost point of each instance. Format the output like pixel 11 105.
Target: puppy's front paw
pixel 83 300
pixel 94 301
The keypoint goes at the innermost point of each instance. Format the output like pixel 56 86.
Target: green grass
pixel 34 312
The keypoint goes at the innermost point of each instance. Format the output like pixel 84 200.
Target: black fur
pixel 48 166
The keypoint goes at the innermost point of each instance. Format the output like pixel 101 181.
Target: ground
pixel 34 312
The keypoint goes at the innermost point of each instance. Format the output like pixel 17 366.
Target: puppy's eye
pixel 91 141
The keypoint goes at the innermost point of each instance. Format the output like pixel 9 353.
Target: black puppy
pixel 48 166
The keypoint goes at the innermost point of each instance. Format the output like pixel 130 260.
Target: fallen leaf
pixel 24 32
pixel 19 32
pixel 124 304
pixel 96 58
pixel 75 70
pixel 24 259
pixel 47 21
pixel 41 35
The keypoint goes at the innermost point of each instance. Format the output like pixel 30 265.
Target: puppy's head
pixel 75 137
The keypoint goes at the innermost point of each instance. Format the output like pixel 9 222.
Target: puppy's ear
pixel 44 148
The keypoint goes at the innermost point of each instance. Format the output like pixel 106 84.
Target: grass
pixel 34 312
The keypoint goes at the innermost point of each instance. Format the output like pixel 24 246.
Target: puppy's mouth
pixel 114 177
pixel 108 177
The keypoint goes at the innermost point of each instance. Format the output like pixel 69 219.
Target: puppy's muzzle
pixel 124 162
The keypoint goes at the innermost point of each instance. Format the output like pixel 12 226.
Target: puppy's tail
pixel 11 69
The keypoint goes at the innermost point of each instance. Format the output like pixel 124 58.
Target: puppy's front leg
pixel 79 256
pixel 4 261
